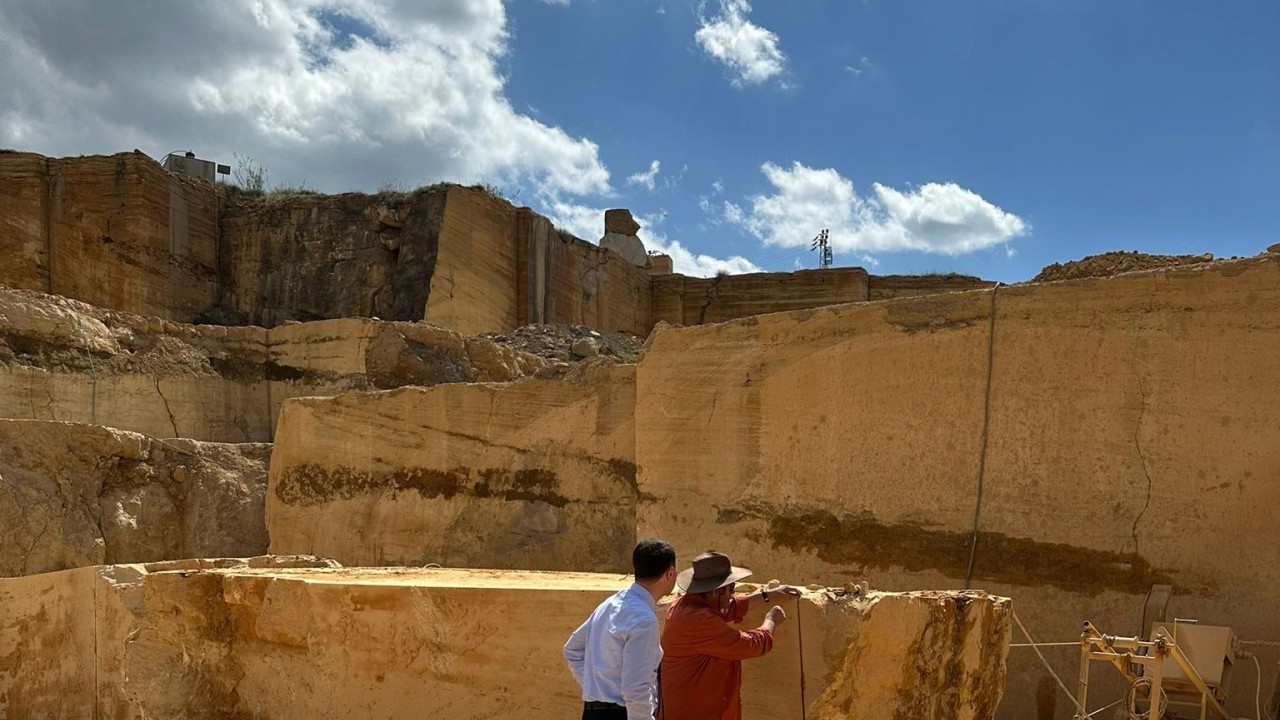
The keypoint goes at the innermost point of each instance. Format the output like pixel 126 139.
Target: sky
pixel 986 137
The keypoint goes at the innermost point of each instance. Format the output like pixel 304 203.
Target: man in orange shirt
pixel 701 676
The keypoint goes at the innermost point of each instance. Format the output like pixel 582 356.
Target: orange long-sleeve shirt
pixel 702 661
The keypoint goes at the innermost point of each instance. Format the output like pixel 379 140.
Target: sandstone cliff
pixel 535 474
pixel 74 495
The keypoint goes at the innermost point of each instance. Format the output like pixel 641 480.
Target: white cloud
pixel 941 218
pixel 704 202
pixel 336 93
pixel 585 221
pixel 646 179
pixel 556 2
pixel 687 262
pixel 749 50
pixel 860 67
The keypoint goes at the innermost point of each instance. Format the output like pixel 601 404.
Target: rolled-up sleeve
pixel 641 655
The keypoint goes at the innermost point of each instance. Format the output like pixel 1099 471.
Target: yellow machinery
pixel 1183 665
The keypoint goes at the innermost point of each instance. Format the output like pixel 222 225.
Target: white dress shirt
pixel 615 654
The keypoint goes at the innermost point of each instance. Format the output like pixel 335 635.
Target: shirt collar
pixel 638 590
pixel 694 599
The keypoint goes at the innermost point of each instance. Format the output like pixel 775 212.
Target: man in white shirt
pixel 615 654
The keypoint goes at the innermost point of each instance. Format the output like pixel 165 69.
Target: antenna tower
pixel 822 244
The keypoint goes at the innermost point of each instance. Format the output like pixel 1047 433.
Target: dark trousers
pixel 616 712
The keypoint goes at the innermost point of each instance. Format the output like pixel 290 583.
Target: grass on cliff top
pixel 287 194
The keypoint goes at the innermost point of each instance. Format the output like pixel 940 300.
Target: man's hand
pixel 775 617
pixel 773 594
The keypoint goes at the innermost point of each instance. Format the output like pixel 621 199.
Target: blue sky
pixel 987 137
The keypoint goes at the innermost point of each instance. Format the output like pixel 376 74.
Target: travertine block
pixel 258 639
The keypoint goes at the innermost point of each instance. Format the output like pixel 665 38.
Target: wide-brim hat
pixel 710 571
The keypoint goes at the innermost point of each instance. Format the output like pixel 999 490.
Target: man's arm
pixel 575 652
pixel 640 670
pixel 716 638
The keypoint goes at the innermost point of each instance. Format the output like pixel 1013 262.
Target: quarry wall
pixel 311 257
pixel 536 474
pixel 118 232
pixel 1133 438
pixel 215 639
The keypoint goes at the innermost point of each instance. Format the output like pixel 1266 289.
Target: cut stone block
pixel 228 639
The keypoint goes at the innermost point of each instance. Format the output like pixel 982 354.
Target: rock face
pixel 64 636
pixel 926 656
pixel 213 640
pixel 312 257
pixel 564 280
pixel 68 361
pixel 536 474
pixel 118 232
pixel 684 300
pixel 847 440
pixel 76 495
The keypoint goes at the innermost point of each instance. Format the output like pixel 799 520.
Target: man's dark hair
pixel 652 558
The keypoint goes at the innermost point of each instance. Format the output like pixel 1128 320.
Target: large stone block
pixel 473 284
pixel 1134 434
pixel 630 247
pixel 619 221
pixel 536 474
pixel 65 639
pixel 246 639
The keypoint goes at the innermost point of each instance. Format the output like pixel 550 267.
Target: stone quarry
pixel 285 456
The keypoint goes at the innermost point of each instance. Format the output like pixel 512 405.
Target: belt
pixel 594 705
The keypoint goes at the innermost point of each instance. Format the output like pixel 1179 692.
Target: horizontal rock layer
pixel 63 360
pixel 535 474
